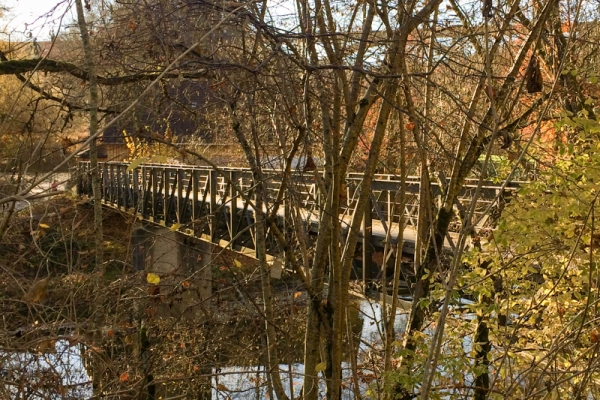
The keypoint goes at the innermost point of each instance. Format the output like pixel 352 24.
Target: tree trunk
pixel 93 104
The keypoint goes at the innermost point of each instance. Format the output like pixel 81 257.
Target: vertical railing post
pixel 145 192
pixel 121 185
pixel 165 192
pixel 194 178
pixel 367 244
pixel 128 192
pixel 111 187
pixel 154 194
pixel 287 223
pixel 135 190
pixel 254 197
pixel 391 201
pixel 105 181
pixel 233 195
pixel 116 191
pixel 79 185
pixel 180 198
pixel 212 184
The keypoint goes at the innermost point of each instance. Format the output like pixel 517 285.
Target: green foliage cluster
pixel 539 293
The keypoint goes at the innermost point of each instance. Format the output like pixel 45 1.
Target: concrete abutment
pixel 183 264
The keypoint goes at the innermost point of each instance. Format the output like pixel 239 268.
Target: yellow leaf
pixel 44 226
pixel 136 163
pixel 320 367
pixel 153 278
pixel 297 294
pixel 175 227
pixel 237 263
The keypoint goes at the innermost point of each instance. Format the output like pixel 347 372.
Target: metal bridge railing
pixel 218 203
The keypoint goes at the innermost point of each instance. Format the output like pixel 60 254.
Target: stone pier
pixel 183 264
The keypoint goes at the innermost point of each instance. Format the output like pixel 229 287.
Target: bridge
pixel 216 205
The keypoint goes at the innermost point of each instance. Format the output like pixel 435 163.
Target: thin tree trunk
pixel 261 252
pixel 149 386
pixel 93 105
pixel 389 330
pixel 11 207
pixel 424 215
pixel 461 168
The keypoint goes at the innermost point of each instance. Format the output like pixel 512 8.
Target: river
pixel 63 364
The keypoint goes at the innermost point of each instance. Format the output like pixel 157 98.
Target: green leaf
pixel 320 367
pixel 153 278
pixel 136 163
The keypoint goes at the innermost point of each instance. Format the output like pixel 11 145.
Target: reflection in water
pixel 58 373
pixel 373 328
pixel 249 383
pixel 64 363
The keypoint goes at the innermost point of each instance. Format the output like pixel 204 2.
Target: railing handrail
pixel 351 176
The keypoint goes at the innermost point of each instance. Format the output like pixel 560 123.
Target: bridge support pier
pixel 183 264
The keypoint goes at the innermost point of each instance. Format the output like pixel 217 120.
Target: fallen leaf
pixel 45 345
pixel 124 377
pixel 220 386
pixel 44 226
pixel 74 339
pixel 175 227
pixel 595 336
pixel 237 263
pixel 36 291
pixel 153 278
pixel 111 333
pixel 297 294
pixel 185 284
